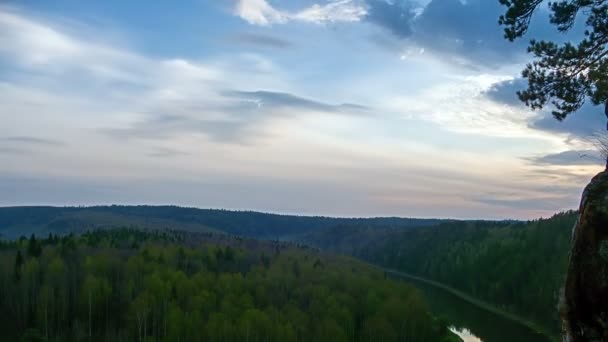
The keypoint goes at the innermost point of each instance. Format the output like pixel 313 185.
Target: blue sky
pixel 340 107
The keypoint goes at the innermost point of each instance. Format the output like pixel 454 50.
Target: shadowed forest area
pixel 516 266
pixel 18 221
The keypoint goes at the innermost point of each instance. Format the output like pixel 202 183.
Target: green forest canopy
pixel 131 285
pixel 516 266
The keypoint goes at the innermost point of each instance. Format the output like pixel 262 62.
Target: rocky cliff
pixel 584 307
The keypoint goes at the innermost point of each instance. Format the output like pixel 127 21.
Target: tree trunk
pixel 139 326
pixel 606 113
pixel 90 321
pixel 46 318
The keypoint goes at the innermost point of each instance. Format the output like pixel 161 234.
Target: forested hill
pixel 132 285
pixel 517 266
pixel 17 221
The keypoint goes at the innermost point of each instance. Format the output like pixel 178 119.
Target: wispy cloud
pixel 164 152
pixel 264 98
pixel 543 203
pixel 25 145
pixel 334 11
pixel 35 45
pixel 236 120
pixel 581 157
pixel 260 12
pixel 28 140
pixel 171 126
pixel 261 40
pixel 12 150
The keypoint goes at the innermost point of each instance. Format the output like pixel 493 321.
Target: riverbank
pixel 474 301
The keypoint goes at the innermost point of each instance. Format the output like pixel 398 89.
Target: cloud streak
pixel 238 120
pixel 163 152
pixel 260 12
pixel 166 127
pixel 260 40
pixel 264 98
pixel 25 145
pixel 27 140
pixel 581 157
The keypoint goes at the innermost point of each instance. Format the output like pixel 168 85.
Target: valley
pixel 488 277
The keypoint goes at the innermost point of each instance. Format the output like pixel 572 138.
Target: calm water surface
pixel 472 323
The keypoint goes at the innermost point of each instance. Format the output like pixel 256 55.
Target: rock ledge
pixel 584 303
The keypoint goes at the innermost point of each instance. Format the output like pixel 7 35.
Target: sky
pixel 324 107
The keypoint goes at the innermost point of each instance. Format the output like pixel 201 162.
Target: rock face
pixel 584 305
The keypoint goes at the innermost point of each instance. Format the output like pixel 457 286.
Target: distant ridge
pixel 42 220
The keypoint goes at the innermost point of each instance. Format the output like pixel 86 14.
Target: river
pixel 471 322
